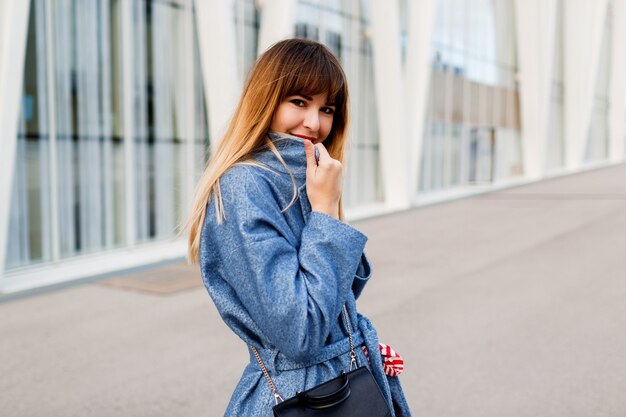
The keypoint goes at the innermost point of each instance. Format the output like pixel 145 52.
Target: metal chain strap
pixel 349 328
pixel 267 375
pixel 353 361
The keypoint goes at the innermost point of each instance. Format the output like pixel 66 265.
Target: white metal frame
pixel 277 21
pixel 129 121
pixel 583 35
pixel 421 17
pixel 216 33
pixel 392 122
pixel 617 144
pixel 13 34
pixel 84 266
pixel 189 169
pixel 536 29
pixel 52 126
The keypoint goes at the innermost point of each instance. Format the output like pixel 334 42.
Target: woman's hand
pixel 323 180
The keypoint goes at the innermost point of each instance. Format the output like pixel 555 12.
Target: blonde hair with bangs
pixel 289 67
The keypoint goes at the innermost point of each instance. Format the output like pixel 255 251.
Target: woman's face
pixel 308 117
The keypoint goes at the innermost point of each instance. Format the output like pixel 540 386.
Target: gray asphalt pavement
pixel 511 303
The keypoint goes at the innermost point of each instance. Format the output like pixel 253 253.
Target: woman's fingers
pixel 325 160
pixel 324 180
pixel 324 155
pixel 309 148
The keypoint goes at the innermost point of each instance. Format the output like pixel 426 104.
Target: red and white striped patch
pixel 393 364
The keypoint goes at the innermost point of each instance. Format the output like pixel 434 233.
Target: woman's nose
pixel 312 120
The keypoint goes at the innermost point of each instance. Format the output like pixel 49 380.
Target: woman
pixel 267 230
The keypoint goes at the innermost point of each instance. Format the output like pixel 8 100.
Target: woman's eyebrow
pixel 309 98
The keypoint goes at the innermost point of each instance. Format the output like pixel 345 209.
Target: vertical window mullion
pixel 189 121
pixel 128 111
pixel 105 105
pixel 163 37
pixel 52 126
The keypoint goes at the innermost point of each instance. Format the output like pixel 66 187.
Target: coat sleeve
pixel 362 276
pixel 292 293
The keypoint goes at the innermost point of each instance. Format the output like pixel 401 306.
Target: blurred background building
pixel 109 109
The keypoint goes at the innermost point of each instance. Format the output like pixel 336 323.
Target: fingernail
pixel 317 154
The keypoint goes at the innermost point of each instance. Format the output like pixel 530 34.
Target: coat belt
pixel 274 360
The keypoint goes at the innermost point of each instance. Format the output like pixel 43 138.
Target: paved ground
pixel 506 304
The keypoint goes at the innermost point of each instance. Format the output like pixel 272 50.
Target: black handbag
pixel 352 394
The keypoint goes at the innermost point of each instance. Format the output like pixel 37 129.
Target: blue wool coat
pixel 280 277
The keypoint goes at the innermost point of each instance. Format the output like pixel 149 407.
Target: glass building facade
pixel 75 200
pixel 114 121
pixel 73 173
pixel 472 128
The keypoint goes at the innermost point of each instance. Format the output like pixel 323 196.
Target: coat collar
pixel 291 149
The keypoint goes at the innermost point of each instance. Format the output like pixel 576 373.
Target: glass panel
pixel 555 153
pixel 342 26
pixel 247 26
pixel 89 140
pixel 403 7
pixel 471 134
pixel 201 130
pixel 86 45
pixel 158 93
pixel 598 136
pixel 29 223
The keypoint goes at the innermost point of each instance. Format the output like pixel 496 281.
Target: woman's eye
pixel 328 110
pixel 297 102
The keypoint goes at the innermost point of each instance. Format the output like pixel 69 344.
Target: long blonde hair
pixel 289 67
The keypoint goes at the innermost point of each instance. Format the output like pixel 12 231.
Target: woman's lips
pixel 311 138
